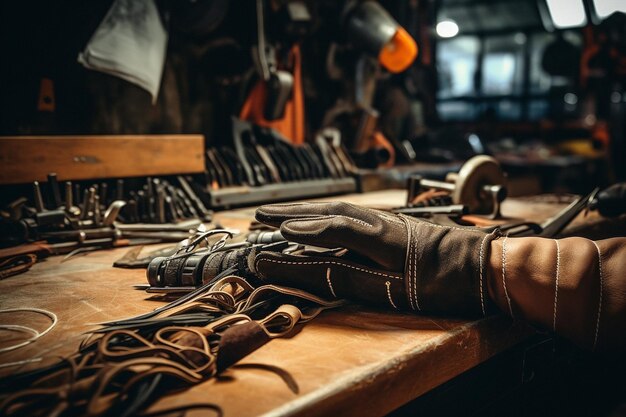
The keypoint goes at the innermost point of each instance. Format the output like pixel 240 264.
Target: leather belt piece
pixel 125 365
pixel 16 264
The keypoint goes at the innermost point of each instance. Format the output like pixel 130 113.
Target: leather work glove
pixel 574 286
pixel 388 260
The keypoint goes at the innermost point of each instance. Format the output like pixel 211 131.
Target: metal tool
pixel 555 224
pixel 479 185
pixel 119 190
pixel 199 205
pixel 96 210
pixel 450 210
pixel 279 83
pixel 55 190
pixel 265 237
pixel 39 206
pixel 70 209
pixel 611 201
pixel 112 212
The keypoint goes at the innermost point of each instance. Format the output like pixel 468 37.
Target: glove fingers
pixel 366 239
pixel 275 214
pixel 333 278
pixel 374 234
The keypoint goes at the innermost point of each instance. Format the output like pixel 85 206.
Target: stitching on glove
pixel 506 293
pixel 409 274
pixel 330 284
pixel 361 222
pixel 481 278
pixel 297 220
pixel 439 226
pixel 595 339
pixel 388 285
pixel 417 304
pixel 556 288
pixel 389 217
pixel 256 265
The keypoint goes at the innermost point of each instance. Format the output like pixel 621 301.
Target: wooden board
pixel 25 159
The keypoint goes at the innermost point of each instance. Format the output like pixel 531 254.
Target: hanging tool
pixel 279 83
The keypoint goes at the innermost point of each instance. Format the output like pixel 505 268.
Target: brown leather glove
pixel 574 286
pixel 389 260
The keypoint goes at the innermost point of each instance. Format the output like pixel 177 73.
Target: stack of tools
pixel 262 166
pixel 96 216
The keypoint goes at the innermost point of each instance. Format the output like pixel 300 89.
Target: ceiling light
pixel 567 13
pixel 447 28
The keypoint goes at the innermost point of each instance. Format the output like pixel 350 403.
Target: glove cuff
pixel 446 268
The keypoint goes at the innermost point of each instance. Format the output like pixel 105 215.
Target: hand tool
pixel 611 201
pixel 76 196
pixel 15 209
pixel 218 170
pixel 112 211
pixel 39 206
pixel 369 27
pixel 96 210
pixel 171 215
pixel 133 213
pixel 185 226
pixel 73 249
pixel 103 193
pixel 90 197
pixel 555 224
pixel 206 214
pixel 257 175
pixel 85 205
pixel 160 204
pixel 119 190
pixel 265 237
pixel 235 166
pixel 69 200
pixel 142 206
pixel 149 202
pixel 451 210
pixel 172 203
pixel 189 207
pixel 480 185
pixel 55 191
pixel 279 83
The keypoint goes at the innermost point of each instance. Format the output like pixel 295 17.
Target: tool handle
pixel 611 201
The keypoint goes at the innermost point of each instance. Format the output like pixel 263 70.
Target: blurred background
pixel 539 84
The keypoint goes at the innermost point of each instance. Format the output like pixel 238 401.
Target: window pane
pixel 567 13
pixel 503 65
pixel 502 110
pixel 604 8
pixel 537 109
pixel 456 65
pixel 457 110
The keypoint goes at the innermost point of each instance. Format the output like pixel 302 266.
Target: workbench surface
pixel 354 361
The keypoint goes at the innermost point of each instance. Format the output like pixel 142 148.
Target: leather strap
pixel 130 355
pixel 16 265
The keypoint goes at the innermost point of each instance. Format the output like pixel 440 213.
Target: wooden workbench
pixel 354 361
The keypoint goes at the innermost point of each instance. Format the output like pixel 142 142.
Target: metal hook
pixel 191 246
